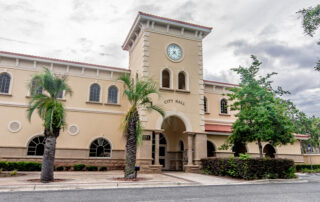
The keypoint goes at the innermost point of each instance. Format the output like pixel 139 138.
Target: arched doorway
pixel 171 155
pixel 269 151
pixel 238 149
pixel 211 150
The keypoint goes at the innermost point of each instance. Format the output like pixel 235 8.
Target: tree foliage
pixel 262 116
pixel 51 111
pixel 138 94
pixel 49 108
pixel 310 23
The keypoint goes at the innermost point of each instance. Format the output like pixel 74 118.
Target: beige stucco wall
pixel 93 119
pixel 157 60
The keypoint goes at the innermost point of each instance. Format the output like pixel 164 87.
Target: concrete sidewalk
pixel 103 180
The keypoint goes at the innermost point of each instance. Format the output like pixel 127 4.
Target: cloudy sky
pixel 93 31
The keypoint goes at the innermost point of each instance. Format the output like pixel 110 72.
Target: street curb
pixel 121 185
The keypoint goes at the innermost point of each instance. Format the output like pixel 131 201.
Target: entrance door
pixel 162 149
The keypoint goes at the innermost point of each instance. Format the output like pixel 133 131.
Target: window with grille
pixel 36 146
pixel 60 95
pixel 182 81
pixel 113 95
pixel 4 82
pixel 100 148
pixel 224 106
pixel 36 90
pixel 94 93
pixel 165 79
pixel 205 104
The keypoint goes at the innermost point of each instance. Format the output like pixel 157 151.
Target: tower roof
pixel 144 17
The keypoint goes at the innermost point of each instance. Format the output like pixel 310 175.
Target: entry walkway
pixel 108 180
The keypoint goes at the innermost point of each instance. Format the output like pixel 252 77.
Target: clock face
pixel 174 52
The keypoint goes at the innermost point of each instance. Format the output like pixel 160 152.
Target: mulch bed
pixel 55 180
pixel 130 180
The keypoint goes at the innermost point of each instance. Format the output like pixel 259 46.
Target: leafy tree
pixel 305 125
pixel 51 111
pixel 310 23
pixel 262 116
pixel 138 95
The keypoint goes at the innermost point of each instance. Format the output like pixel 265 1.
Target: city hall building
pixel 197 117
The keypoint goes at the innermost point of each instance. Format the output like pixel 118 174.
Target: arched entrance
pixel 238 149
pixel 211 150
pixel 269 151
pixel 171 154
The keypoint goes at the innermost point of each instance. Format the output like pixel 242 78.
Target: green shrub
pixel 103 168
pixel 21 166
pixel 250 168
pixel 13 173
pixel 244 156
pixel 67 168
pixel 300 167
pixel 78 167
pixel 60 168
pixel 308 170
pixel 92 168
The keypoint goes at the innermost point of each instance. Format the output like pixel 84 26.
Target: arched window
pixel 166 78
pixel 113 95
pixel 182 81
pixel 224 106
pixel 205 104
pixel 100 148
pixel 94 93
pixel 35 90
pixel 4 82
pixel 269 151
pixel 211 150
pixel 36 146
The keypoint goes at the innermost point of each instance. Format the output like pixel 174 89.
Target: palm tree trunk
pixel 131 146
pixel 260 148
pixel 48 157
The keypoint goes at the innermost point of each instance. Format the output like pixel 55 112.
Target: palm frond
pixel 49 108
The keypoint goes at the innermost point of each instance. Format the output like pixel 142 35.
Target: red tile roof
pixel 218 128
pixel 172 20
pixel 64 61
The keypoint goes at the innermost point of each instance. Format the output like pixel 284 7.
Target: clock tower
pixel 170 53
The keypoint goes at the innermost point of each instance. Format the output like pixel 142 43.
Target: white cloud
pixel 93 31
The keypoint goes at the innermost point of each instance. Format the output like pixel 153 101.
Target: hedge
pixel 20 166
pixel 300 167
pixel 34 166
pixel 253 168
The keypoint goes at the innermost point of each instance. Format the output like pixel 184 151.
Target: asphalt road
pixel 254 192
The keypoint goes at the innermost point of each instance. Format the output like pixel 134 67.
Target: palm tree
pixel 51 111
pixel 138 95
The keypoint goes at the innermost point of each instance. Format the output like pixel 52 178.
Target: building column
pixel 156 149
pixel 200 150
pixel 190 149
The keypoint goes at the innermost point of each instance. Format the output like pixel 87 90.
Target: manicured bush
pixel 78 167
pixel 20 166
pixel 67 168
pixel 249 169
pixel 300 167
pixel 103 168
pixel 59 168
pixel 92 168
